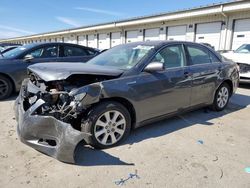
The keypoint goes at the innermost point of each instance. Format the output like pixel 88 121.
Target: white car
pixel 242 57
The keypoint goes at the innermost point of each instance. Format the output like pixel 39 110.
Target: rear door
pixel 166 91
pixel 71 53
pixel 205 69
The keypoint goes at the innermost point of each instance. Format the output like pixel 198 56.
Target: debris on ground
pixel 247 170
pixel 216 158
pixel 130 176
pixel 222 173
pixel 200 142
pixel 4 156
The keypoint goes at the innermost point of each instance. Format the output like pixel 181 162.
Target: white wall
pixel 132 33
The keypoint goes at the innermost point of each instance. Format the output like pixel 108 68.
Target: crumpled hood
pixel 61 71
pixel 238 57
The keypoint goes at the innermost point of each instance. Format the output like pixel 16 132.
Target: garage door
pixel 177 33
pixel 66 39
pixel 103 41
pixel 59 39
pixel 152 34
pixel 241 33
pixel 82 40
pixel 115 39
pixel 209 33
pixel 91 41
pixel 131 36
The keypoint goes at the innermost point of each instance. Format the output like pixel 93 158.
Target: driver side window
pixel 171 56
pixel 45 52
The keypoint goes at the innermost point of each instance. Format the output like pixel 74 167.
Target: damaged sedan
pixel 98 103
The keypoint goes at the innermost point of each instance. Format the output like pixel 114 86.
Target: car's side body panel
pixel 152 95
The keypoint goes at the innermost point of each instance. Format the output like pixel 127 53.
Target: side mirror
pixel 154 66
pixel 28 58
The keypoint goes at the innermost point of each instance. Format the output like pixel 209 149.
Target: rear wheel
pixel 109 123
pixel 221 97
pixel 6 87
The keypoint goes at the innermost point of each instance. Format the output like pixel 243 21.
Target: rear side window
pixel 70 51
pixel 198 55
pixel 91 52
pixel 214 58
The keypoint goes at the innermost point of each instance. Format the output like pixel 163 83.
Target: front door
pixel 165 91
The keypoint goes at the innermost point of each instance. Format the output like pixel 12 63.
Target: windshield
pixel 245 48
pixel 15 52
pixel 122 56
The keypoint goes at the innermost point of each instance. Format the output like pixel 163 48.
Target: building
pixel 225 26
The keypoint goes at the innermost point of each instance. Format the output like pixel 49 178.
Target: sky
pixel 27 17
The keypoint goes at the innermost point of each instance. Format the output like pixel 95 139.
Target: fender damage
pixel 49 119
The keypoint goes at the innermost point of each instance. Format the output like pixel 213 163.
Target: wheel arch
pixel 127 104
pixel 230 84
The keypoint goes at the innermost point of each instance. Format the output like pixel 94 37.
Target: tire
pixel 105 133
pixel 6 87
pixel 221 97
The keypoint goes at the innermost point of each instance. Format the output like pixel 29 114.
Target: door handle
pixel 187 74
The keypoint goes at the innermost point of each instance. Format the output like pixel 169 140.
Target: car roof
pixel 159 43
pixel 56 43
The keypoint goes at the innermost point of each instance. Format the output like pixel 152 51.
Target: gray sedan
pixel 130 85
pixel 14 63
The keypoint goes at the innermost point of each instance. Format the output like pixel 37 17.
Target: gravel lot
pixel 198 149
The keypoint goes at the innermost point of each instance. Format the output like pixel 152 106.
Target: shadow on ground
pixel 86 156
pixel 11 98
pixel 202 117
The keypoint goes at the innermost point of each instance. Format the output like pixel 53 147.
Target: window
pixel 122 57
pixel 245 48
pixel 171 56
pixel 198 55
pixel 213 58
pixel 45 52
pixel 73 51
pixel 91 52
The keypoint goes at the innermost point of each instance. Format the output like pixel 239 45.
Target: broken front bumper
pixel 45 133
pixel 244 72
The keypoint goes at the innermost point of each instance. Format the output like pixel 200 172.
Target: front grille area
pixel 244 68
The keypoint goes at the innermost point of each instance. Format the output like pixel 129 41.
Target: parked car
pixel 13 64
pixel 123 88
pixel 242 57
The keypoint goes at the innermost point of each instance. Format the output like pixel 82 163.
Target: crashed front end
pixel 244 71
pixel 49 118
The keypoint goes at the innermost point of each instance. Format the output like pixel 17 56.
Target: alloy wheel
pixel 222 97
pixel 3 87
pixel 110 127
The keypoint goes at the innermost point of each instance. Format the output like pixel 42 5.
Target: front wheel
pixel 6 87
pixel 221 97
pixel 109 123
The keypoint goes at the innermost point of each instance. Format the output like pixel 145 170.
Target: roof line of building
pixel 125 20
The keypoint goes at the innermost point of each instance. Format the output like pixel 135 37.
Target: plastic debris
pixel 200 142
pixel 247 170
pixel 130 176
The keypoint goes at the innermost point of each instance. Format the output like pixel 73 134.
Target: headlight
pixel 79 97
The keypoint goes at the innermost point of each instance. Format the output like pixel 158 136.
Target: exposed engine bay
pixel 66 100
